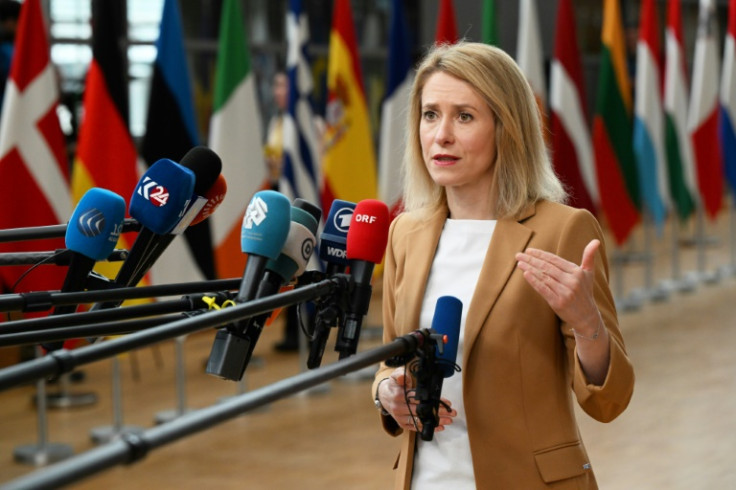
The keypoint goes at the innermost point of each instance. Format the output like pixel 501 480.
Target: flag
pixel 682 183
pixel 489 33
pixel 106 155
pixel 702 121
pixel 727 120
pixel 34 170
pixel 235 135
pixel 572 149
pixel 446 32
pixel 648 116
pixel 349 162
pixel 301 143
pixel 171 131
pixel 394 109
pixel 530 57
pixel 612 130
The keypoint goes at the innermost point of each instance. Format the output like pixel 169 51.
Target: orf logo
pixel 256 213
pixel 156 194
pixel 342 219
pixel 91 223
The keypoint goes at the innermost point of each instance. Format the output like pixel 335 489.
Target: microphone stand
pixel 61 256
pixel 130 448
pixel 62 360
pixel 51 231
pixel 46 300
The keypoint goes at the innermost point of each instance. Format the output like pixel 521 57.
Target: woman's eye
pixel 465 117
pixel 429 115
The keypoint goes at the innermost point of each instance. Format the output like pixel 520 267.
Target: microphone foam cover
pixel 206 166
pixel 334 237
pixel 265 224
pixel 162 195
pixel 307 206
pixel 368 233
pixel 446 321
pixel 95 225
pixel 214 196
pixel 298 247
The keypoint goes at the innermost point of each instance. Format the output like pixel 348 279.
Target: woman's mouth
pixel 444 160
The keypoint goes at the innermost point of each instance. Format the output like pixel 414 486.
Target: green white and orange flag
pixel 106 155
pixel 613 128
pixel 235 135
pixel 530 56
pixel 349 163
pixel 678 147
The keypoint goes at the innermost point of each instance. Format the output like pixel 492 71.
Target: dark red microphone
pixel 366 244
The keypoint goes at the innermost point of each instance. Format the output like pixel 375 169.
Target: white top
pixel 445 461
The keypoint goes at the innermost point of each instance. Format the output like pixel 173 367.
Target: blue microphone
pixel 437 365
pixel 91 235
pixel 446 322
pixel 158 201
pixel 334 237
pixel 264 232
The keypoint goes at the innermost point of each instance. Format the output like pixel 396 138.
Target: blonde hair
pixel 523 172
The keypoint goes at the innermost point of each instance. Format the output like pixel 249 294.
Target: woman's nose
pixel 444 133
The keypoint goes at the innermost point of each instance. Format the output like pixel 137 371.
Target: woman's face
pixel 457 131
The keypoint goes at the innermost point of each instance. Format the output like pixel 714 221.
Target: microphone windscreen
pixel 206 166
pixel 214 196
pixel 265 224
pixel 307 206
pixel 162 195
pixel 446 321
pixel 96 223
pixel 334 237
pixel 368 233
pixel 298 247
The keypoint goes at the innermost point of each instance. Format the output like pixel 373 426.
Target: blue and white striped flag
pixel 300 174
pixel 394 109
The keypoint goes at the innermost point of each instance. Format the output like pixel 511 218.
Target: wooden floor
pixel 679 431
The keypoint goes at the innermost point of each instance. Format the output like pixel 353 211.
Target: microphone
pixel 291 262
pixel 366 243
pixel 438 364
pixel 334 236
pixel 214 197
pixel 91 235
pixel 158 202
pixel 266 226
pixel 206 167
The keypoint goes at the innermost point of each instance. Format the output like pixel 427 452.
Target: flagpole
pixel 104 434
pixel 701 241
pixel 678 282
pixel 651 291
pixel 181 385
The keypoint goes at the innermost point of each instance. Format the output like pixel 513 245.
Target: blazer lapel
pixel 423 241
pixel 509 237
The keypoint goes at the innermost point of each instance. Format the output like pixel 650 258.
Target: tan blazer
pixel 519 359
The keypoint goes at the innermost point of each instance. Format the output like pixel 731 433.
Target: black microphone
pixel 334 237
pixel 366 243
pixel 265 229
pixel 435 365
pixel 92 233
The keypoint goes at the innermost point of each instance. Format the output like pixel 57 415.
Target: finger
pixel 547 260
pixel 588 262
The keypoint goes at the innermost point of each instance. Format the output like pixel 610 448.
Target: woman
pixel 484 222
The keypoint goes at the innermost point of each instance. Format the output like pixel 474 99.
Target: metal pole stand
pixel 651 291
pixel 702 241
pixel 64 398
pixel 633 301
pixel 103 434
pixel 181 385
pixel 730 269
pixel 678 283
pixel 43 452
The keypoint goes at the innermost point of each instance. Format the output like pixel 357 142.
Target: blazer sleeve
pixel 389 327
pixel 604 403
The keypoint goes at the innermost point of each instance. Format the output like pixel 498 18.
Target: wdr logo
pixel 151 191
pixel 91 223
pixel 256 213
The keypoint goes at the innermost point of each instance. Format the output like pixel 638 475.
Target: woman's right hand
pixel 394 393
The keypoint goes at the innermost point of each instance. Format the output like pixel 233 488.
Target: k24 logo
pixel 151 191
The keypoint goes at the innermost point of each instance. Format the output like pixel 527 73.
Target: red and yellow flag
pixel 106 155
pixel 349 163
